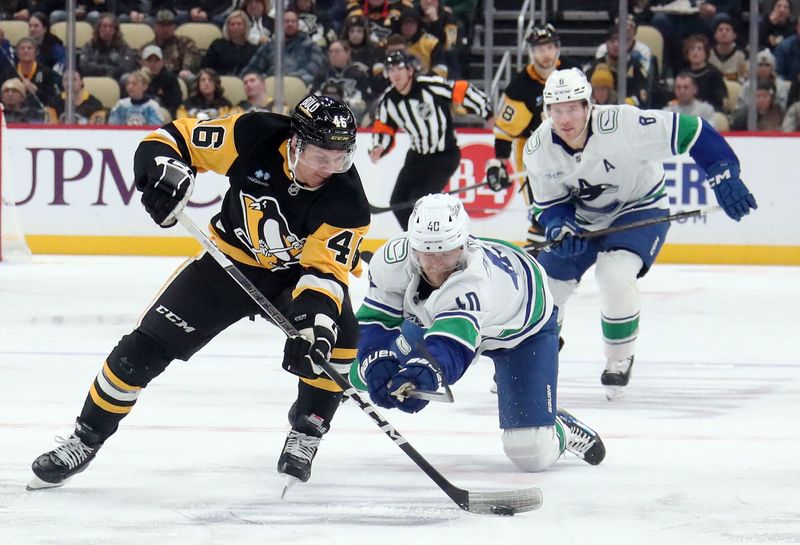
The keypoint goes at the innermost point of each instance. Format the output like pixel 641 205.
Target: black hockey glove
pixel 304 354
pixel 169 186
pixel 497 175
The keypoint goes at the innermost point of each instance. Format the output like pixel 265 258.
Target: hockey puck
pixel 503 510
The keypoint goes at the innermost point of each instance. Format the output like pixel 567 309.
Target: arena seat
pixel 105 89
pixel 294 90
pixel 83 32
pixel 202 33
pixel 734 90
pixel 14 30
pixel 651 37
pixel 136 35
pixel 233 89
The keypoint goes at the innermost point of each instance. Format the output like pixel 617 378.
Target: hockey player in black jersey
pixel 293 220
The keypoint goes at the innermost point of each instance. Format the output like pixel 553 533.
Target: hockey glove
pixel 563 230
pixel 497 175
pixel 418 374
pixel 304 354
pixel 169 186
pixel 378 369
pixel 730 191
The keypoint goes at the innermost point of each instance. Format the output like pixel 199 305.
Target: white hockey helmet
pixel 567 86
pixel 438 223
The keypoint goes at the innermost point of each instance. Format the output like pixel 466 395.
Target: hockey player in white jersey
pixel 438 298
pixel 592 167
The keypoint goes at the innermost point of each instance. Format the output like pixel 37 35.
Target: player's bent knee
pixel 137 359
pixel 617 270
pixel 532 449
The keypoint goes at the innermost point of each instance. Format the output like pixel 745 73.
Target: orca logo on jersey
pixel 589 192
pixel 267 233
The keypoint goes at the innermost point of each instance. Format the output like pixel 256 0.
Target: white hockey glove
pixel 169 185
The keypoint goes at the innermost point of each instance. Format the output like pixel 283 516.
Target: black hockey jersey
pixel 267 220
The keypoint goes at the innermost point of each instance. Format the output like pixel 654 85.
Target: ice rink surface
pixel 704 448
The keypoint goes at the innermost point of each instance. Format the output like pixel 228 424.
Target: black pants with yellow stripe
pixel 198 302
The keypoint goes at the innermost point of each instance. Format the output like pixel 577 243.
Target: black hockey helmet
pixel 539 35
pixel 325 122
pixel 401 59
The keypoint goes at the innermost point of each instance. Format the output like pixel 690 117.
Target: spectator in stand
pixel 336 12
pixel 107 54
pixel 137 108
pixel 677 26
pixel 603 90
pixel 765 71
pixel 425 47
pixel 351 79
pixel 262 26
pixel 18 107
pixel 302 58
pixel 88 109
pixel 164 86
pixel 362 50
pixel 231 53
pixel 51 48
pixel 709 80
pixel 775 25
pixel 37 78
pixel 438 21
pixel 768 112
pixel 726 56
pixel 21 10
pixel 6 52
pixel 256 92
pixel 315 23
pixel 639 52
pixel 131 11
pixel 791 120
pixel 181 55
pixel 638 92
pixel 381 14
pixel 464 11
pixel 686 101
pixel 210 11
pixel 207 102
pixel 56 12
pixel 787 55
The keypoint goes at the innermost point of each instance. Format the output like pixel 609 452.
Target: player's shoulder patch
pixel 396 250
pixel 607 120
pixel 534 142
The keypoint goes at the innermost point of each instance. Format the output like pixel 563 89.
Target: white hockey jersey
pixel 499 299
pixel 619 169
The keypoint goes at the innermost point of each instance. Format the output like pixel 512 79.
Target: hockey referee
pixel 420 105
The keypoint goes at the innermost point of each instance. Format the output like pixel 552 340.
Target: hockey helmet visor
pixel 326 133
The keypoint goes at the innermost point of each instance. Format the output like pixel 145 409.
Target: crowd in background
pixel 338 47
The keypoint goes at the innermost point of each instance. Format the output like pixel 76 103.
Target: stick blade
pixel 504 502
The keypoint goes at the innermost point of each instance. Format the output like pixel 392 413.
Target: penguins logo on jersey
pixel 267 233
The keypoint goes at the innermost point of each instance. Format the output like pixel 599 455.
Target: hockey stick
pixel 481 502
pixel 587 235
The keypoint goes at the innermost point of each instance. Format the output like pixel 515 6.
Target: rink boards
pixel 73 190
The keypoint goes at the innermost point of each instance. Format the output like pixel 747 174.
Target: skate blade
pixel 613 393
pixel 288 482
pixel 38 484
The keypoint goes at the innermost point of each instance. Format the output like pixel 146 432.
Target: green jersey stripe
pixel 688 131
pixel 367 314
pixel 620 330
pixel 460 329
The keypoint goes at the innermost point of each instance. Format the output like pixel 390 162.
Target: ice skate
pixel 582 441
pixel 295 460
pixel 616 376
pixel 55 468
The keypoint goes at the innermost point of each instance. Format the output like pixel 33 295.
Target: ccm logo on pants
pixel 174 318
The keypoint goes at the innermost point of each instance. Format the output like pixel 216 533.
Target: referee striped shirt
pixel 424 113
